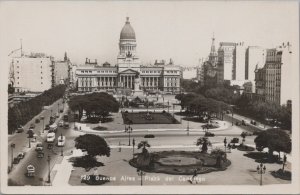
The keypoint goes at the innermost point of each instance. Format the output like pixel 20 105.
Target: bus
pixel 61 141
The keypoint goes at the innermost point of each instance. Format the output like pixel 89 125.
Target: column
pixel 153 85
pixel 131 86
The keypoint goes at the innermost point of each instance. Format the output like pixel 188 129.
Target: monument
pixel 137 83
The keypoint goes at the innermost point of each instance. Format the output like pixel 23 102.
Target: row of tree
pixel 200 105
pixel 260 110
pixel 95 105
pixel 256 109
pixel 23 112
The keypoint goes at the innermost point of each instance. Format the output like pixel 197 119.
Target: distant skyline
pixel 181 30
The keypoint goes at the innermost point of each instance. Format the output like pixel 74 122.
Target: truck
pixel 50 137
pixel 61 141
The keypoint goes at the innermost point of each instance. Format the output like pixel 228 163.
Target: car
pixel 56 115
pixel 61 141
pixel 50 146
pixel 20 130
pixel 66 125
pixel 21 155
pixel 256 132
pixel 61 110
pixel 40 155
pixel 246 133
pixel 61 123
pixel 39 146
pixel 149 136
pixel 209 134
pixel 234 140
pixel 244 123
pixel 16 160
pixel 37 120
pixel 32 126
pixel 47 127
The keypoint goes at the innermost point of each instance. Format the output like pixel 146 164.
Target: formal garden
pixel 148 118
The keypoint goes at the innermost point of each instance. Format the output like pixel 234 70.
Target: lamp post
pixel 43 118
pixel 261 169
pixel 12 154
pixel 141 173
pixel 168 106
pixel 232 117
pixel 128 130
pixel 188 127
pixel 62 151
pixel 58 108
pixel 133 144
pixel 225 143
pixel 283 162
pixel 49 158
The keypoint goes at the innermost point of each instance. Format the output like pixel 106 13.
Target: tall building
pixel 32 73
pixel 273 80
pixel 255 59
pixel 128 70
pixel 62 71
pixel 238 69
pixel 225 61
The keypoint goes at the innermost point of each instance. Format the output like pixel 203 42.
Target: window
pixel 41 77
pixel 41 61
pixel 17 66
pixel 41 82
pixel 82 71
pixel 18 77
pixel 18 62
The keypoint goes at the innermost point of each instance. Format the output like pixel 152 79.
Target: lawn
pixel 148 118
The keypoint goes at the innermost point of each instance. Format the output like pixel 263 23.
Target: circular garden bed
pixel 286 175
pixel 100 128
pixel 181 163
pixel 243 147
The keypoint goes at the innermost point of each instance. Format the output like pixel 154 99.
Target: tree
pixel 220 156
pixel 97 105
pixel 204 142
pixel 275 140
pixel 144 145
pixel 93 144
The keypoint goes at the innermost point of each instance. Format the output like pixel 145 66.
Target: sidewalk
pixel 64 169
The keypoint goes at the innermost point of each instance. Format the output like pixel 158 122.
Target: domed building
pixel 129 73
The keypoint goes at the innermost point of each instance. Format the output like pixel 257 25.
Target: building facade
pixel 238 69
pixel 32 73
pixel 272 81
pixel 62 71
pixel 225 61
pixel 158 77
pixel 255 58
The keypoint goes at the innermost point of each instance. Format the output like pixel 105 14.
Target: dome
pixel 127 31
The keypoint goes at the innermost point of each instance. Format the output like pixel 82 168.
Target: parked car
pixel 21 155
pixel 256 132
pixel 209 134
pixel 56 115
pixel 16 160
pixel 53 127
pixel 20 130
pixel 244 123
pixel 37 120
pixel 61 110
pixel 32 126
pixel 235 140
pixel 30 171
pixel 39 146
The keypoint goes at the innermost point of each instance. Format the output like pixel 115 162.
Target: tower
pixel 213 56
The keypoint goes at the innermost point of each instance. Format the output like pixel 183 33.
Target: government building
pixel 128 73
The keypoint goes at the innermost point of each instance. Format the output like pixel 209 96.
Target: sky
pixel 181 30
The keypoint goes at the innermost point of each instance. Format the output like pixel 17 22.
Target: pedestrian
pixel 194 175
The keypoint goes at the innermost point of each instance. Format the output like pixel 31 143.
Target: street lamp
pixel 188 127
pixel 225 143
pixel 141 173
pixel 133 144
pixel 62 151
pixel 261 169
pixel 58 108
pixel 168 106
pixel 43 118
pixel 128 130
pixel 49 158
pixel 12 154
pixel 283 162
